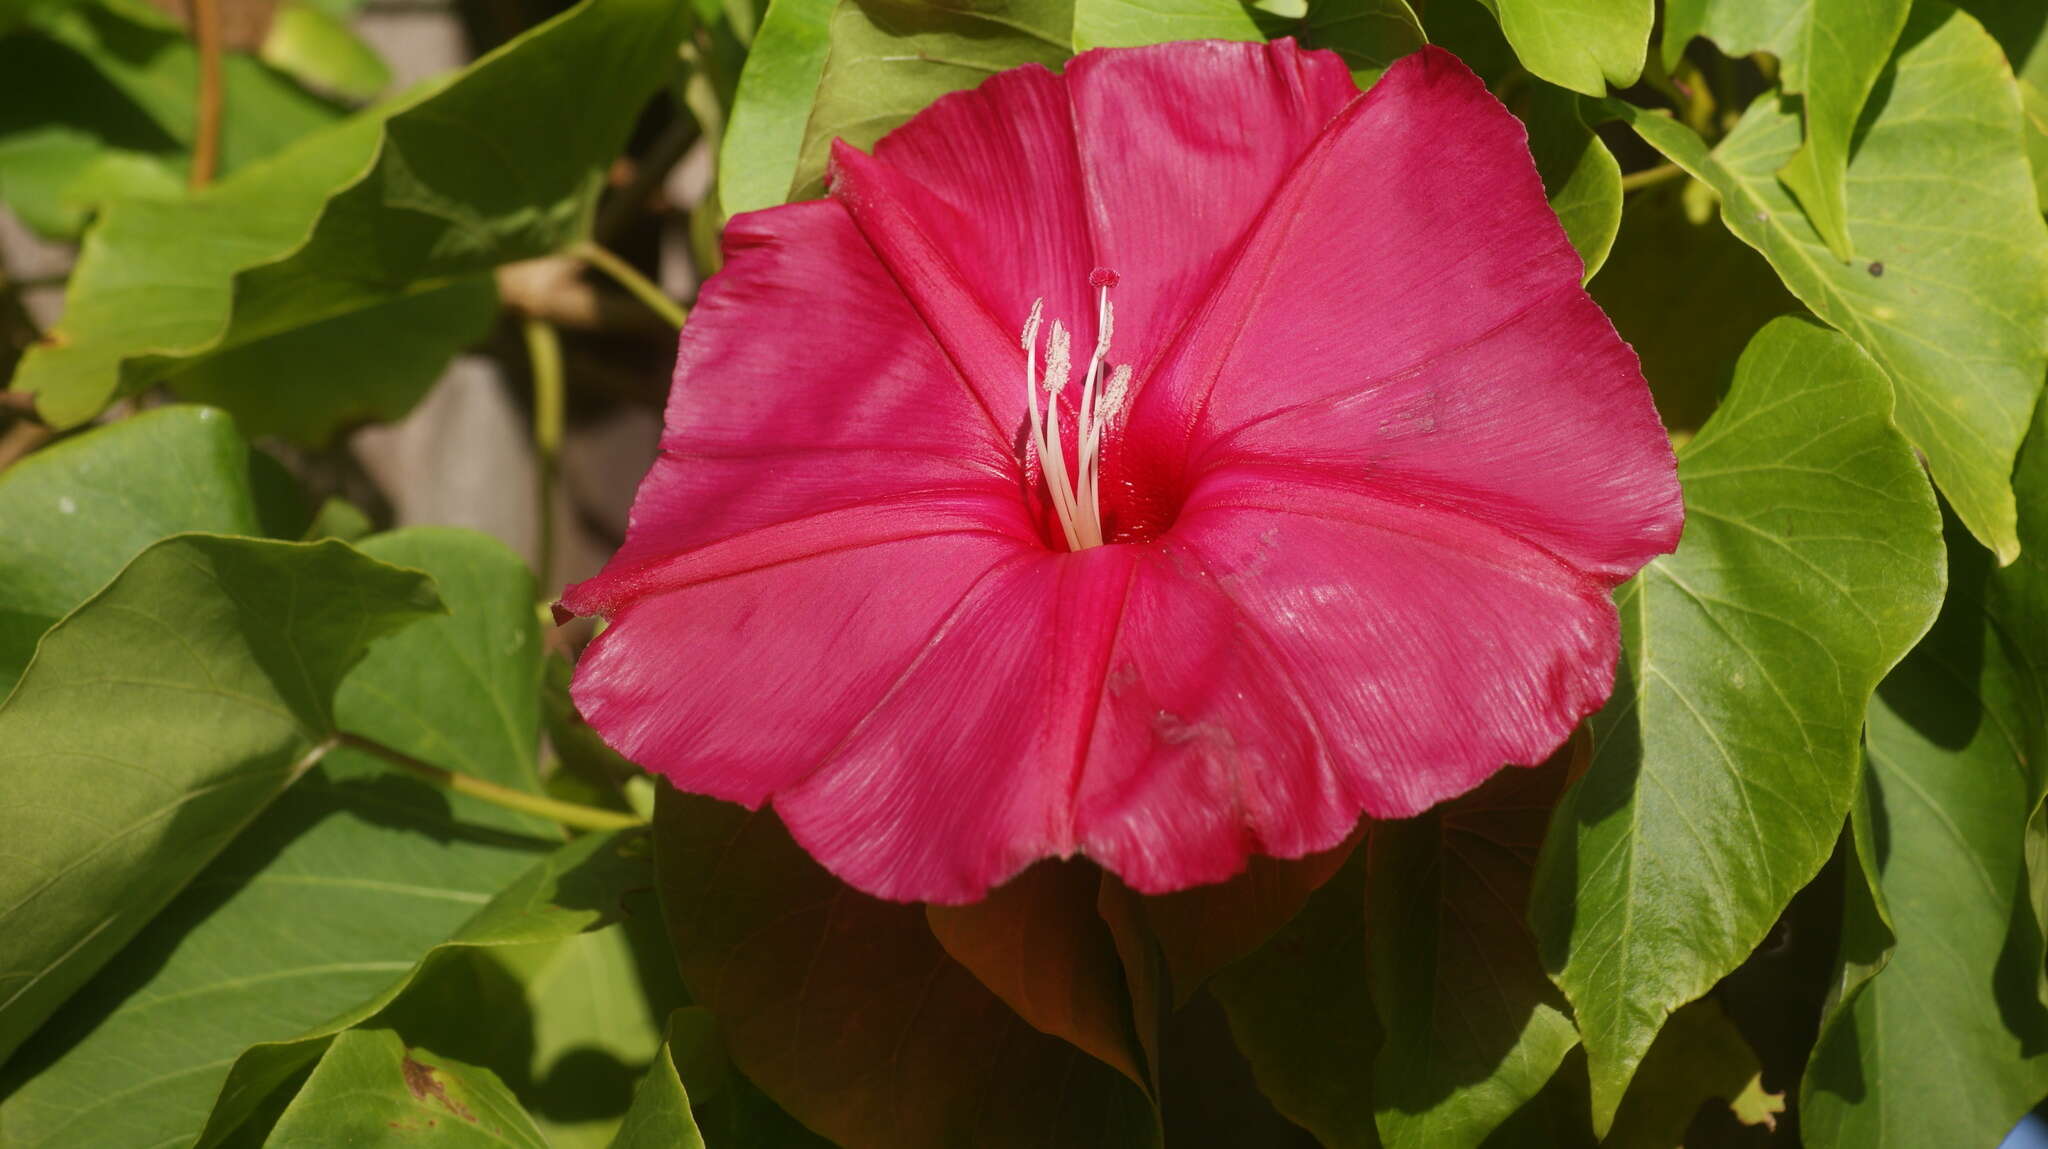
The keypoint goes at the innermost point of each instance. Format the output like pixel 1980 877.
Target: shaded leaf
pixel 370 1090
pixel 1724 762
pixel 1302 1013
pixel 571 1024
pixel 848 1012
pixel 1688 297
pixel 1202 929
pixel 1699 1056
pixel 574 889
pixel 1939 1034
pixel 660 1117
pixel 149 59
pixel 1579 174
pixel 1473 1027
pixel 1950 287
pixel 306 383
pixel 330 898
pixel 1209 1096
pixel 501 163
pixel 79 509
pixel 155 722
pixel 1038 943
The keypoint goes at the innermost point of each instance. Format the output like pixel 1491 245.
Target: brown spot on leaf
pixel 1876 268
pixel 423 1083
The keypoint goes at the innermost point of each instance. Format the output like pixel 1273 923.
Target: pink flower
pixel 1364 460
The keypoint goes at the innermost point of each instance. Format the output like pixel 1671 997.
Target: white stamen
pixel 1059 359
pixel 1115 396
pixel 1076 498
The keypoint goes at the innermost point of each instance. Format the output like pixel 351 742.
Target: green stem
pixel 1650 176
pixel 544 353
pixel 625 276
pixel 567 813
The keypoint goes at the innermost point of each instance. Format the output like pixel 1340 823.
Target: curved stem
pixel 544 352
pixel 626 276
pixel 1650 176
pixel 567 813
pixel 206 144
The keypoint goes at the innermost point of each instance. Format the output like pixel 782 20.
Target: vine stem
pixel 206 144
pixel 1650 176
pixel 567 813
pixel 626 276
pixel 544 355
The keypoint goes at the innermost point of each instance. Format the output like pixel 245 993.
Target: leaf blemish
pixel 422 1083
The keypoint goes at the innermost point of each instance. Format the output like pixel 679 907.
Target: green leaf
pixel 1473 1027
pixel 1688 296
pixel 1579 174
pixel 1302 1013
pixel 1951 285
pixel 502 163
pixel 79 509
pixel 369 1090
pixel 155 722
pixel 2022 30
pixel 148 58
pixel 1724 762
pixel 1737 27
pixel 764 138
pixel 1699 1056
pixel 1831 52
pixel 320 49
pixel 660 1117
pixel 1845 45
pixel 569 1024
pixel 1945 1039
pixel 888 60
pixel 575 889
pixel 332 894
pixel 1369 34
pixel 785 957
pixel 363 366
pixel 1580 44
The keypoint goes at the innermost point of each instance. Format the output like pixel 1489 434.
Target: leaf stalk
pixel 567 813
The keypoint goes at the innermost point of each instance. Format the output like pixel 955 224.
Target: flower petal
pixel 1182 145
pixel 1442 347
pixel 1299 655
pixel 963 775
pixel 813 408
pixel 1150 161
pixel 744 684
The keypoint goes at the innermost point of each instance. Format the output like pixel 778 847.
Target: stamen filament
pixel 1076 498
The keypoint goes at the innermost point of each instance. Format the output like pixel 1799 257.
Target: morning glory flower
pixel 1166 461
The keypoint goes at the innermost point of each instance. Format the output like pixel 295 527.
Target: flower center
pixel 1077 497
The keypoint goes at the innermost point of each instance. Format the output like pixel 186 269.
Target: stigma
pixel 1076 496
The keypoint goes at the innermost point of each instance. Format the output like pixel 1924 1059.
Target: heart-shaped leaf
pixel 155 722
pixel 1724 762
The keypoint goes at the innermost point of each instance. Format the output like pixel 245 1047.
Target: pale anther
pixel 1075 497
